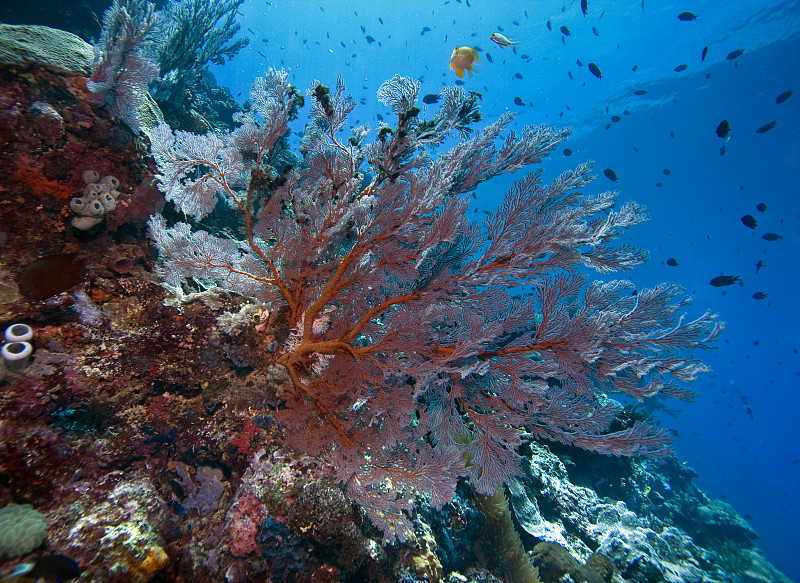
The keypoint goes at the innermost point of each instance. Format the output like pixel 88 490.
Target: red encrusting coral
pixel 36 183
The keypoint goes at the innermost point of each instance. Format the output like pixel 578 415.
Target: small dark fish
pixel 687 16
pixel 459 82
pixel 759 265
pixel 517 75
pixel 251 30
pixel 704 53
pixel 635 68
pixel 380 20
pixel 569 73
pixel 565 31
pixel 766 127
pixel 659 185
pixel 567 152
pixel 681 67
pixel 667 171
pixel 380 117
pixel 525 57
pixel 363 29
pixel 672 135
pixel 430 98
pixel 749 221
pixel 585 7
pixel 610 174
pixel 370 39
pixel 424 30
pixel 515 22
pixel 616 118
pixel 489 58
pixel 723 280
pixel 640 92
pixel 722 150
pixel 724 129
pixel 579 63
pixel 735 54
pixel 50 275
pixel 771 236
pixel 344 46
pixel 761 207
pixel 594 30
pixel 47 567
pixel 784 96
pixel 549 26
pixel 672 262
pixel 595 70
pixel 518 101
pixel 759 296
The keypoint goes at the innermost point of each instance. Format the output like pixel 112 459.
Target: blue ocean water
pixel 741 432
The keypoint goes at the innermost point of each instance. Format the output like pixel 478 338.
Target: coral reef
pixel 152 431
pixel 366 251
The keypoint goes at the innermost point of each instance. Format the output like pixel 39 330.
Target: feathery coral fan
pixel 123 65
pixel 410 362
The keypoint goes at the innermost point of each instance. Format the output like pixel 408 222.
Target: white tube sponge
pixel 18 333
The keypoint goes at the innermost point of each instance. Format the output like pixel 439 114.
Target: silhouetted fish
pixel 640 92
pixel 759 265
pixel 611 175
pixel 518 101
pixel 735 54
pixel 672 262
pixel 749 221
pixel 724 129
pixel 595 70
pixel 430 98
pixel 681 67
pixel 723 280
pixel 565 31
pixel 45 568
pixel 585 7
pixel 687 16
pixel 766 127
pixel 784 96
pixel 771 236
pixel 761 207
pixel 759 296
pixel 567 152
pixel 704 53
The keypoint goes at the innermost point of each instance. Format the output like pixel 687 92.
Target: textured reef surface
pixel 146 431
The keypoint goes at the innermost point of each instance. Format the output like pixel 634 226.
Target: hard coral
pixel 323 514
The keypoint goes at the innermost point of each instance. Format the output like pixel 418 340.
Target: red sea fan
pixel 408 363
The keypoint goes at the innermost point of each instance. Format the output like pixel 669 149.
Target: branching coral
pixel 410 364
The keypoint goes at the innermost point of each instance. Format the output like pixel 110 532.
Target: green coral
pixel 22 529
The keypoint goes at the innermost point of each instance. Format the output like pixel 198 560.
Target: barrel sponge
pixel 22 529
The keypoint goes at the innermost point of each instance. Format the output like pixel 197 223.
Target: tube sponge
pixel 22 529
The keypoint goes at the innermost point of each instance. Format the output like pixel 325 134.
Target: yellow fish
pixel 502 40
pixel 461 60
